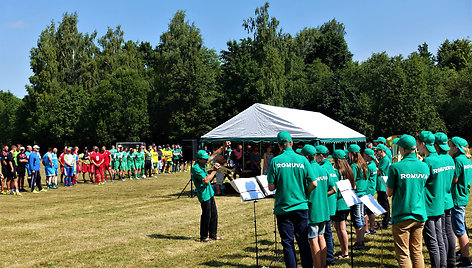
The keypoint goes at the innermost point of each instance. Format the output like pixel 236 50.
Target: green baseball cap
pixel 428 138
pixel 284 137
pixel 298 151
pixel 441 141
pixel 339 154
pixel 309 150
pixel 354 148
pixel 321 149
pixel 460 142
pixel 396 140
pixel 407 141
pixel 370 153
pixel 381 147
pixel 381 139
pixel 201 154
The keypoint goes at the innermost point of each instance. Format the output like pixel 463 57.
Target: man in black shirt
pixel 22 160
pixel 12 178
pixel 5 170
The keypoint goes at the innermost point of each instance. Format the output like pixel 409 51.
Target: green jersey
pixel 204 190
pixel 382 173
pixel 361 181
pixel 15 154
pixel 148 156
pixel 318 198
pixel 372 178
pixel 448 173
pixel 463 174
pixel 333 178
pixel 290 173
pixel 139 156
pixel 407 178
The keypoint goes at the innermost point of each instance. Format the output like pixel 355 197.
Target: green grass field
pixel 141 223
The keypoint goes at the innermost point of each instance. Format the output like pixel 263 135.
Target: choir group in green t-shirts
pixel 429 197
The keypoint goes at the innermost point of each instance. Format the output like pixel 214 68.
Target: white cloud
pixel 17 24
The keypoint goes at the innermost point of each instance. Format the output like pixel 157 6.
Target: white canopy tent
pixel 262 122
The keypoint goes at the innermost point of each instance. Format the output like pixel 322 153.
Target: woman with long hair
pixel 344 172
pixel 361 184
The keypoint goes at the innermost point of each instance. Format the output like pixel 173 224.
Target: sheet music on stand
pixel 252 188
pixel 349 196
pixel 372 204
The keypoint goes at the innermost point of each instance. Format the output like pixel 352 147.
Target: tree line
pixel 87 89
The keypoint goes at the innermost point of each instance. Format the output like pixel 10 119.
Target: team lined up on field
pixel 101 165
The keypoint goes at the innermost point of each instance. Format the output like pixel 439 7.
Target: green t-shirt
pixel 112 153
pixel 290 173
pixel 361 181
pixel 318 208
pixel 140 156
pixel 384 165
pixel 176 153
pixel 407 178
pixel 448 173
pixel 333 178
pixel 131 157
pixel 389 154
pixel 435 191
pixel 148 156
pixel 15 154
pixel 340 203
pixel 372 178
pixel 204 190
pixel 462 172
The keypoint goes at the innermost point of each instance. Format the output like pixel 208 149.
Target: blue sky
pixel 397 27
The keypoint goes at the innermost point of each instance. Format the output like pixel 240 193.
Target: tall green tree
pixel 185 82
pixel 456 54
pixel 9 106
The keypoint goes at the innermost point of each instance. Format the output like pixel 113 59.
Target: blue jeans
pixel 329 242
pixel 458 220
pixel 294 224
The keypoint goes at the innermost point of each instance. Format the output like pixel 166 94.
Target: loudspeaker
pixel 189 149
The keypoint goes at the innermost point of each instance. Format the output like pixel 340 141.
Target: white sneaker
pixel 144 176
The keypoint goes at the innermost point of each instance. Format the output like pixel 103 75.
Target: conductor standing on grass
pixel 290 174
pixel 205 194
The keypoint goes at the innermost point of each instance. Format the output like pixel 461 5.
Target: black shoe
pixel 372 232
pixel 464 262
pixel 358 245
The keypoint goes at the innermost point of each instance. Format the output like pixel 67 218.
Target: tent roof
pixel 262 122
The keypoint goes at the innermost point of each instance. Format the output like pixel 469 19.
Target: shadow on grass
pixel 224 264
pixel 171 237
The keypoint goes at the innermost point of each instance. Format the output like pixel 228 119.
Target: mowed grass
pixel 141 223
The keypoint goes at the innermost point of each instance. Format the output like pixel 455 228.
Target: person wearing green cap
pixel 205 194
pixel 433 231
pixel 460 194
pixel 448 166
pixel 290 174
pixel 369 157
pixel 344 172
pixel 322 158
pixel 359 170
pixel 406 184
pixel 382 173
pixel 318 208
pixel 382 140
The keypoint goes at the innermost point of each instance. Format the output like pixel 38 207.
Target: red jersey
pixel 96 157
pixel 106 156
pixel 61 158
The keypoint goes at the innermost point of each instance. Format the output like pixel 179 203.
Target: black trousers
pixel 147 168
pixel 383 201
pixel 36 180
pixel 209 219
